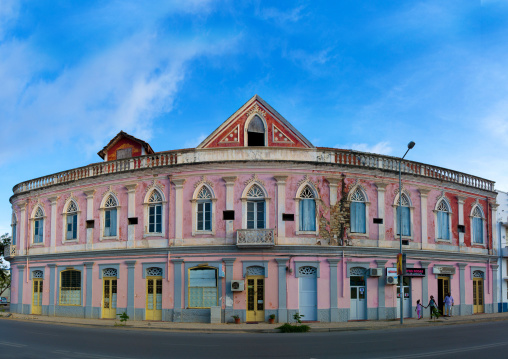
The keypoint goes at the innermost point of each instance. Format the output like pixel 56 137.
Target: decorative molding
pixel 109 190
pixel 154 184
pixel 229 179
pixel 306 179
pixel 256 109
pixel 278 136
pixel 254 178
pixel 90 193
pixel 233 136
pixel 203 180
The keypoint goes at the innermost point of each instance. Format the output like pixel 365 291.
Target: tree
pixel 5 277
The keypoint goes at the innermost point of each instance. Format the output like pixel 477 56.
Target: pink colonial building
pixel 254 221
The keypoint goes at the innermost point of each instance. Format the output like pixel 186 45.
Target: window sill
pixel 109 238
pixel 358 234
pixel 71 241
pixel 443 240
pixel 37 244
pixel 145 235
pixel 198 233
pixel 315 233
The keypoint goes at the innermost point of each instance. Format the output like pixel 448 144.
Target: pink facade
pixel 153 235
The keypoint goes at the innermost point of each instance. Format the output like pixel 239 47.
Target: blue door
pixel 308 293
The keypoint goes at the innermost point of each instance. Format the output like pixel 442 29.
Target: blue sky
pixel 351 74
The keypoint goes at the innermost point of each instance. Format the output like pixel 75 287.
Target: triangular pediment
pixel 124 141
pixel 256 116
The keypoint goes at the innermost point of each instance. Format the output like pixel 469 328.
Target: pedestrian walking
pixel 419 309
pixel 433 308
pixel 448 302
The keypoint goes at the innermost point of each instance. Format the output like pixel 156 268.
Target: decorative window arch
pixel 306 208
pixel 255 206
pixel 109 216
pixel 109 272
pixel 38 274
pixel 155 208
pixel 14 227
pixel 359 205
pixel 203 209
pixel 405 212
pixel 38 225
pixel 443 218
pixel 70 220
pixel 477 224
pixel 256 130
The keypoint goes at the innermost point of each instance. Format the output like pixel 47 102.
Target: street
pixel 36 340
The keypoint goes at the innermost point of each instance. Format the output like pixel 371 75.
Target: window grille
pixel 255 192
pixel 39 213
pixel 477 274
pixel 154 272
pixel 307 193
pixel 307 271
pixel 111 202
pixel 110 272
pixel 204 193
pixel 358 196
pixel 357 271
pixel 443 206
pixel 405 201
pixel 155 197
pixel 255 270
pixel 72 207
pixel 37 274
pixel 477 213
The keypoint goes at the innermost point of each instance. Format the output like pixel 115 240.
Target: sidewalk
pixel 255 328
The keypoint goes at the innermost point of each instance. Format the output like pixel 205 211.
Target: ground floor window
pixel 203 287
pixel 70 287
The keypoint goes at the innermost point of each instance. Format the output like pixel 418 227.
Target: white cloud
pixel 195 141
pixel 380 147
pixel 280 16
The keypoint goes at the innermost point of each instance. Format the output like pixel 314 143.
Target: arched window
pixel 256 132
pixel 110 217
pixel 14 225
pixel 256 208
pixel 155 212
pixel 71 221
pixel 38 226
pixel 307 209
pixel 203 291
pixel 358 211
pixel 404 215
pixel 70 287
pixel 204 210
pixel 443 220
pixel 477 219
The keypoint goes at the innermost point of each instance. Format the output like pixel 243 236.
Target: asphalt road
pixel 36 340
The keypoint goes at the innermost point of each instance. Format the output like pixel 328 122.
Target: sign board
pixel 443 270
pixel 391 272
pixel 415 272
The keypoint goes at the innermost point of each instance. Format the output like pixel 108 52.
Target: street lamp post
pixel 410 145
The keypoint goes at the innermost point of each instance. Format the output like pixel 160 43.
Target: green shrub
pixel 288 328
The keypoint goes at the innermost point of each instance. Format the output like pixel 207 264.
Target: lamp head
pixel 410 145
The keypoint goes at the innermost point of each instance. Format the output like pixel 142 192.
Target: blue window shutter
pixel 250 215
pixel 307 214
pixel 14 234
pixel 406 221
pixel 75 226
pixel 113 222
pixel 358 217
pixel 158 218
pixel 200 217
pixel 260 215
pixel 477 230
pixel 443 225
pixel 208 216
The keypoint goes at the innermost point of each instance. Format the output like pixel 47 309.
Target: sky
pixel 363 75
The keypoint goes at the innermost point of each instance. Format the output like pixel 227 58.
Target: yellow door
pixel 256 298
pixel 154 298
pixel 109 298
pixel 477 295
pixel 37 297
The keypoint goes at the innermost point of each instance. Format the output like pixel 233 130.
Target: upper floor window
pixel 443 220
pixel 477 219
pixel 256 132
pixel 14 225
pixel 71 221
pixel 404 215
pixel 358 212
pixel 307 209
pixel 155 212
pixel 110 217
pixel 256 208
pixel 38 226
pixel 204 210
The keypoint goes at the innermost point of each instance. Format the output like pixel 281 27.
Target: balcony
pixel 255 238
pixel 10 251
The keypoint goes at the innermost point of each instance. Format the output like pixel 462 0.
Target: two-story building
pixel 254 221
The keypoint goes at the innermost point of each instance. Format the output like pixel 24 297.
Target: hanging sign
pixel 443 270
pixel 391 272
pixel 415 272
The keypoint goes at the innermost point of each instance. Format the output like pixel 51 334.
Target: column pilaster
pixel 230 206
pixel 179 183
pixel 281 206
pixel 282 313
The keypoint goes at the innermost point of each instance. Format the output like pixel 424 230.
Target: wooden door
pixel 477 295
pixel 154 298
pixel 109 298
pixel 256 298
pixel 37 297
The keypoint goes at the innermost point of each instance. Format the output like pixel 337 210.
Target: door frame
pixel 39 283
pixel 481 295
pixel 255 315
pixel 155 314
pixel 103 310
pixel 442 291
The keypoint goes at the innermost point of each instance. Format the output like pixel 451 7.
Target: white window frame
pixel 146 205
pixel 246 128
pixel 64 219
pixel 245 199
pixel 297 209
pixel 32 223
pixel 102 216
pixel 367 207
pixel 484 226
pixel 194 207
pixel 411 216
pixel 436 211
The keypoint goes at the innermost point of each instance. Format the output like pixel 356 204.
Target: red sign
pixel 415 272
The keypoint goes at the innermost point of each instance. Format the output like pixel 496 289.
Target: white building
pixel 502 234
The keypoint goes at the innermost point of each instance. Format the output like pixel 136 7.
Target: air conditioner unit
pixel 376 272
pixel 392 280
pixel 237 285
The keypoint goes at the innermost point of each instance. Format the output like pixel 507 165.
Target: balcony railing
pixel 255 238
pixel 344 158
pixel 10 251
